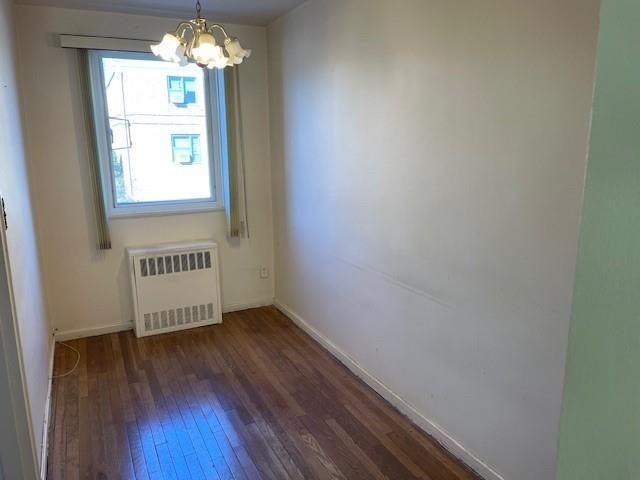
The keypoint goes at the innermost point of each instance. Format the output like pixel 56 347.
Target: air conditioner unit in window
pixel 175 287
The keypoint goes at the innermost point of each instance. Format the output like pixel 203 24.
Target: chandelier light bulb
pixel 169 49
pixel 194 41
pixel 219 59
pixel 204 49
pixel 237 54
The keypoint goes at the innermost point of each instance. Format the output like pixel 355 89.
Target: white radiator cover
pixel 175 287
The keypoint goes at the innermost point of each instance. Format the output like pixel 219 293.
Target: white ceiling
pixel 254 12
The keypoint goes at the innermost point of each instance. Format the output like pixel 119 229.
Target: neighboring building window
pixel 182 90
pixel 186 149
pixel 156 158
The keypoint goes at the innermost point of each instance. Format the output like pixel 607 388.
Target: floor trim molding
pixel 255 303
pixel 429 426
pixel 44 445
pixel 62 336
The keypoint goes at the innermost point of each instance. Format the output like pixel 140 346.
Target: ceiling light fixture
pixel 194 41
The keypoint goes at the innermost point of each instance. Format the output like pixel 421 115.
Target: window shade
pixel 102 223
pixel 235 201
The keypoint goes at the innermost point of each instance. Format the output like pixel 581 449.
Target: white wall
pixel 428 162
pixel 87 289
pixel 29 309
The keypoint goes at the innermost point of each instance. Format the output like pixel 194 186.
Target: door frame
pixel 18 452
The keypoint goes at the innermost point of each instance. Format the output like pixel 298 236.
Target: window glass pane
pixel 176 90
pixel 182 90
pixel 186 148
pixel 175 83
pixel 156 145
pixel 189 90
pixel 195 147
pixel 190 84
pixel 181 141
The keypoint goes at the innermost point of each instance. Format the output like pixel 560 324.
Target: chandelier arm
pixel 219 27
pixel 183 27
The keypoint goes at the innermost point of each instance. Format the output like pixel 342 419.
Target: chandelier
pixel 193 41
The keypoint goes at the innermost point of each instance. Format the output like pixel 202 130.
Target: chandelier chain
pixel 198 9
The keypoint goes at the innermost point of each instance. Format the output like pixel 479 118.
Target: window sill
pixel 117 215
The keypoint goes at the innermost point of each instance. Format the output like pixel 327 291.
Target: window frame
pixel 216 141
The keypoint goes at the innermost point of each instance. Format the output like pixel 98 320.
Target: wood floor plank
pixel 72 414
pixel 261 405
pixel 252 399
pixel 137 455
pixel 347 463
pixel 352 446
pixel 57 457
pixel 226 449
pixel 209 441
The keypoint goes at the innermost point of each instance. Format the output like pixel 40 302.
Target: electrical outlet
pixel 264 272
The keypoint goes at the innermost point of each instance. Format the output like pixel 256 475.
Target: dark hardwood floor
pixel 252 398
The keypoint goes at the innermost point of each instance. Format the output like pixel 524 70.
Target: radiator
pixel 175 287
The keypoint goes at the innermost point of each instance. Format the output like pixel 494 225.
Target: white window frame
pixel 216 139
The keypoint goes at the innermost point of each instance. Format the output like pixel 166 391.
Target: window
pixel 182 90
pixel 186 149
pixel 156 158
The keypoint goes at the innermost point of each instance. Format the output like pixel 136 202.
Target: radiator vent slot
pixel 178 317
pixel 175 287
pixel 173 264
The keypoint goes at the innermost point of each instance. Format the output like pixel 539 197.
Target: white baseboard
pixel 429 426
pixel 62 336
pixel 255 303
pixel 44 446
